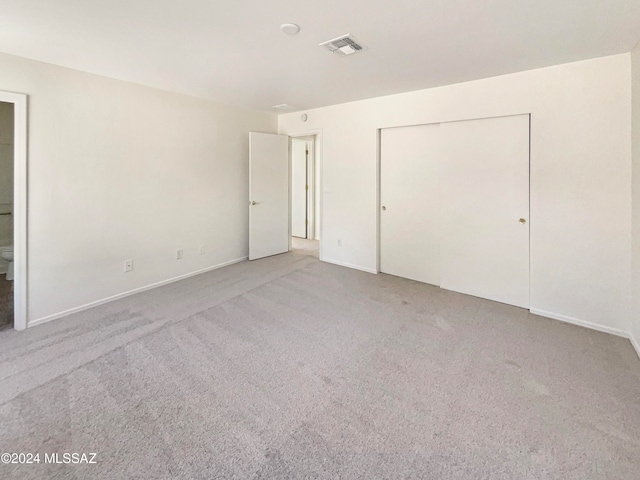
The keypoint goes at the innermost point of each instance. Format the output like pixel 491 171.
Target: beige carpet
pixel 305 246
pixel 290 368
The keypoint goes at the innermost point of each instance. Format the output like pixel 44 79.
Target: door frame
pixel 20 185
pixel 316 135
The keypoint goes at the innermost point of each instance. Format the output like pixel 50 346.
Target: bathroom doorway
pixel 6 214
pixel 305 195
pixel 13 211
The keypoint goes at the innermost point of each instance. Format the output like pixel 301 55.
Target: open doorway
pixel 6 214
pixel 305 192
pixel 274 194
pixel 13 210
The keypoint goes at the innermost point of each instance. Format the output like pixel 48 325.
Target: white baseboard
pixel 635 344
pixel 349 265
pixel 582 323
pixel 48 318
pixel 590 325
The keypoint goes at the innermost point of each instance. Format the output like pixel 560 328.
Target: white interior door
pixel 485 208
pixel 410 202
pixel 299 190
pixel 268 194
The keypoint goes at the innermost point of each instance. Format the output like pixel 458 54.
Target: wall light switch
pixel 202 250
pixel 180 254
pixel 128 265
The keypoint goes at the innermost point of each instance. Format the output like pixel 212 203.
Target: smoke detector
pixel 289 28
pixel 344 45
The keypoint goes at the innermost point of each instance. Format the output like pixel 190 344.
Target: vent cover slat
pixel 344 45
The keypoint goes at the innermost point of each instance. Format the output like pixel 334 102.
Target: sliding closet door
pixel 409 200
pixel 484 217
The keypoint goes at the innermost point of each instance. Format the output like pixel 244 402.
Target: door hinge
pixel 306 187
pixel 306 222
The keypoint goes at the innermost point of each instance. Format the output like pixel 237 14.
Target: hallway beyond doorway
pixel 304 246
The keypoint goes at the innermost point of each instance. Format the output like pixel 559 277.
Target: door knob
pixel 384 208
pixel 254 203
pixel 523 221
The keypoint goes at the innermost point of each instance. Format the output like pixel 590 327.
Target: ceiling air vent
pixel 344 45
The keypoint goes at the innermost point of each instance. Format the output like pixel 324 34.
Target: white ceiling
pixel 232 51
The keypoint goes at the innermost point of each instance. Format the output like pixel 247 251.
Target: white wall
pixel 119 171
pixel 580 177
pixel 635 125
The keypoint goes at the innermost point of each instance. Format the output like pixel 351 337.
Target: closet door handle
pixel 384 208
pixel 522 221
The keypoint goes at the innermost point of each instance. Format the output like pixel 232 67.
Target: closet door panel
pixel 409 203
pixel 484 214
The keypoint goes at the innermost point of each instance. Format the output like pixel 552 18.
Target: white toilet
pixel 7 254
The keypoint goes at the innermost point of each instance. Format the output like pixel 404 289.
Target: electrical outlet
pixel 180 254
pixel 202 249
pixel 128 265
